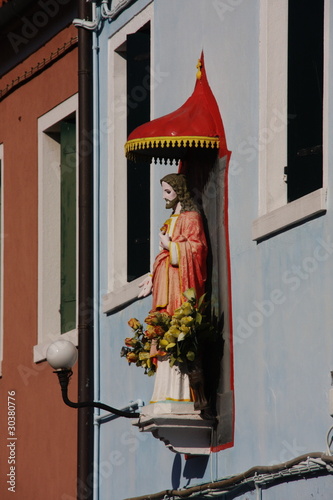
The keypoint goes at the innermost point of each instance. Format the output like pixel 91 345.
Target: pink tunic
pixel 181 267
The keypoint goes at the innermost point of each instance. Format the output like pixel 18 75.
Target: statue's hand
pixel 146 287
pixel 164 241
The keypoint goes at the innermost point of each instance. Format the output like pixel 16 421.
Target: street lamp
pixel 62 355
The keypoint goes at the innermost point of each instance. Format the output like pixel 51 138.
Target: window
pixel 292 128
pixel 138 173
pixel 129 182
pixel 57 226
pixel 67 140
pixel 305 97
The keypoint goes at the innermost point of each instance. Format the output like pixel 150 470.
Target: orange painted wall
pixel 45 450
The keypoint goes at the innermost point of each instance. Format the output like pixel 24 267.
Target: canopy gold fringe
pixel 168 142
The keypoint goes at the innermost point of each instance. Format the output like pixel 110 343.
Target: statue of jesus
pixel 180 265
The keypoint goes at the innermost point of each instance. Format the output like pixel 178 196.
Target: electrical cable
pixel 269 473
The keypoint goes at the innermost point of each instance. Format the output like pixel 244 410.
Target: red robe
pixel 183 266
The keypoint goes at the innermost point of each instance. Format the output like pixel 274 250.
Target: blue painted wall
pixel 281 291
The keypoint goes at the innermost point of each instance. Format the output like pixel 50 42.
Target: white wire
pixel 327 441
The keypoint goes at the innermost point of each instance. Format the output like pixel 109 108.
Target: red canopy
pixel 196 124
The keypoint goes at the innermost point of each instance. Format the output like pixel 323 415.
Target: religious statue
pixel 180 265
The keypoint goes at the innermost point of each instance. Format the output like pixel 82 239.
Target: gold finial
pixel 199 69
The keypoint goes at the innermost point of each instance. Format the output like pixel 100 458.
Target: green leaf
pixel 200 301
pixel 190 355
pixel 172 361
pixel 198 318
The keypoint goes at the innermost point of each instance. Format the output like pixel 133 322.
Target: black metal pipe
pixel 85 267
pixel 64 378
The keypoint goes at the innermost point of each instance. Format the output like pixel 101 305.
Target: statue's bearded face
pixel 169 195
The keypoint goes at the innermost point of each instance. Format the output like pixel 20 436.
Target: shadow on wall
pixel 195 468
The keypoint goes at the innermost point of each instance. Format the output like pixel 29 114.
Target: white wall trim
pixel 49 227
pixel 273 61
pixel 121 296
pixel 275 214
pixel 289 215
pixel 119 290
pixel 39 351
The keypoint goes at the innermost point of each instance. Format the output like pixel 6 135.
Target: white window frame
pixel 49 258
pixel 275 214
pixel 1 254
pixel 120 291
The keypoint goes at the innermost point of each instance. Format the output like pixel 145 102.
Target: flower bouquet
pixel 139 348
pixel 177 337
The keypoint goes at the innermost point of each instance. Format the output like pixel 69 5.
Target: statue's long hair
pixel 178 183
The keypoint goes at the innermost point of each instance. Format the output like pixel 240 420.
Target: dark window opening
pixel 138 174
pixel 305 97
pixel 68 226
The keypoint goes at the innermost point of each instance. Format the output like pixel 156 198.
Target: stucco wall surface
pixel 43 424
pixel 281 287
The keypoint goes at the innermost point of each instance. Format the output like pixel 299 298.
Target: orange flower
pixel 131 357
pixel 154 331
pixel 165 317
pixel 152 318
pixel 159 331
pixel 130 342
pixel 154 361
pixel 150 332
pixel 134 323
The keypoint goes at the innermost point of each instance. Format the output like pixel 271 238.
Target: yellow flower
pixel 144 355
pixel 190 294
pixel 164 342
pixel 185 329
pixel 169 337
pixel 178 314
pixel 187 309
pixel 173 330
pixel 187 321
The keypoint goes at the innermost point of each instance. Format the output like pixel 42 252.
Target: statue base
pixel 180 426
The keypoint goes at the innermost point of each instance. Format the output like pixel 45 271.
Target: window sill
pixel 40 349
pixel 121 297
pixel 289 215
